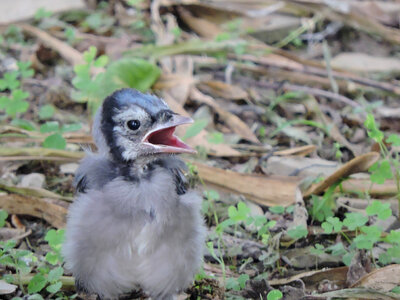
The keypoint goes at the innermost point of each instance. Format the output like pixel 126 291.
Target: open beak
pixel 163 140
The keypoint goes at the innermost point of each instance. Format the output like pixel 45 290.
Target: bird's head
pixel 131 125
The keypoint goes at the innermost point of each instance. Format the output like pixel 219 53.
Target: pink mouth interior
pixel 166 137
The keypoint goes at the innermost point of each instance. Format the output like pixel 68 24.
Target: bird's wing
pixel 93 173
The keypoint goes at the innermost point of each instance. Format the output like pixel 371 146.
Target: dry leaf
pixel 7 288
pixel 52 210
pixel 268 191
pixel 383 279
pixel 297 151
pixel 234 122
pixel 364 63
pixel 223 90
pixel 356 165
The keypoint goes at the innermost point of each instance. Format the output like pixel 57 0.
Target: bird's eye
pixel 133 124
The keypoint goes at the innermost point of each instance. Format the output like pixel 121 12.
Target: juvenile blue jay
pixel 133 223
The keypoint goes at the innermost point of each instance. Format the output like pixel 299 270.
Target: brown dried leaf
pixel 234 122
pixel 356 165
pixel 313 278
pixel 383 279
pixel 74 57
pixel 13 233
pixel 357 186
pixel 223 90
pixel 201 26
pixel 17 222
pixel 298 151
pixel 268 191
pixel 52 210
pixel 36 192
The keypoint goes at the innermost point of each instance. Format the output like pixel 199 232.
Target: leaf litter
pixel 296 134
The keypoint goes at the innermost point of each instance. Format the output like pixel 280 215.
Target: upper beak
pixel 163 140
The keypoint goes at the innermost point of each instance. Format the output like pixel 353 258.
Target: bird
pixel 134 224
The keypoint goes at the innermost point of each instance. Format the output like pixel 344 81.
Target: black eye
pixel 133 124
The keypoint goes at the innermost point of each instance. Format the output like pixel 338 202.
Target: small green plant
pixel 88 85
pixel 322 207
pixel 42 13
pixel 46 112
pixel 99 22
pixel 274 295
pixel 195 128
pixel 93 86
pixel 15 102
pixel 389 166
pixel 24 261
pixel 56 140
pixel 366 236
pixel 298 232
pixel 237 284
pixel 3 217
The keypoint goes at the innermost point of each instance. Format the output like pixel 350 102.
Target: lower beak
pixel 162 139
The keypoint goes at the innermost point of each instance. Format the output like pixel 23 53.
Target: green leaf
pixel 337 249
pixel 237 284
pixel 15 107
pixel 277 209
pixel 71 127
pixel 8 245
pixel 19 95
pixel 367 240
pixel 4 101
pixel 22 253
pixel 24 69
pixel 240 213
pixel 298 232
pixel 242 279
pixel 55 141
pixel 372 129
pixel 354 220
pixel 380 172
pixel 42 13
pixel 55 238
pixel 46 111
pixel 332 224
pixel 383 210
pixel 52 258
pixel 393 237
pixel 7 260
pixel 50 126
pixel 37 283
pixel 195 128
pixel 215 138
pixel 212 194
pixel 35 297
pixel 396 290
pixel 274 295
pixel 131 73
pixel 9 81
pixel 90 54
pixel 24 124
pixel 327 227
pixel 347 258
pixel 101 61
pixel 393 139
pixel 55 287
pixel 55 274
pixel 3 217
pixel 317 250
